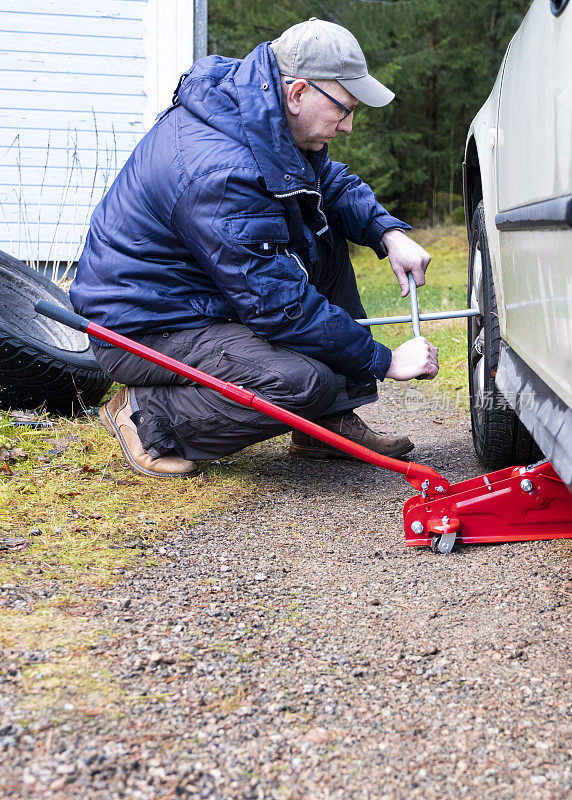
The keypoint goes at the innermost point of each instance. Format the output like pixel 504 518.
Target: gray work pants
pixel 173 414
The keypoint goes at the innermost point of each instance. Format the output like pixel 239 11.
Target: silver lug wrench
pixel 415 314
pixel 414 306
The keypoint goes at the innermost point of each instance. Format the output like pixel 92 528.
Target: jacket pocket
pixel 259 229
pixel 272 277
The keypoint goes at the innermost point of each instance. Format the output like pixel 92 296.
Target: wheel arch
pixel 479 184
pixel 472 183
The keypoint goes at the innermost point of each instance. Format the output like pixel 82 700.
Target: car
pixel 517 189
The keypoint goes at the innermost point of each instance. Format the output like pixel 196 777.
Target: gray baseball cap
pixel 321 50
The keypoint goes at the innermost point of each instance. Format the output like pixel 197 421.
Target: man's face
pixel 313 118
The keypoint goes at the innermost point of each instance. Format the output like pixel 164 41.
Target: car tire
pixel 500 439
pixel 43 364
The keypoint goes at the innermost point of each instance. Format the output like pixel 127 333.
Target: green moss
pixel 92 512
pixel 93 519
pixel 72 680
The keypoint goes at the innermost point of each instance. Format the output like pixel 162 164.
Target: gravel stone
pixel 292 648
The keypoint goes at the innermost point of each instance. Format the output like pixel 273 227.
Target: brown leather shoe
pixel 354 428
pixel 115 416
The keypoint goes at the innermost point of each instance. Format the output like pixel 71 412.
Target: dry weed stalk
pixel 71 211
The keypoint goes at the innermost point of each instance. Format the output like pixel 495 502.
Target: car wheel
pixel 499 437
pixel 43 364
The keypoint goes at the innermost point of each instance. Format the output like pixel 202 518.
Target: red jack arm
pixel 418 475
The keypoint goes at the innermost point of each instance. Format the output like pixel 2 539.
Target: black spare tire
pixel 43 364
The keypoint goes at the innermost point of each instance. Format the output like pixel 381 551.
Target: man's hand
pixel 405 256
pixel 412 359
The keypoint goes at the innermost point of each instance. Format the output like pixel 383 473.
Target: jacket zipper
pixel 296 191
pixel 306 191
pixel 325 228
pixel 298 261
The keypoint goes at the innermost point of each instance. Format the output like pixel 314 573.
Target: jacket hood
pixel 243 100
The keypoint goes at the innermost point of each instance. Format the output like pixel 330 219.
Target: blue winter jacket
pixel 194 229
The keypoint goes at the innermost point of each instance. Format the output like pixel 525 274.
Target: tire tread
pixel 501 439
pixel 62 381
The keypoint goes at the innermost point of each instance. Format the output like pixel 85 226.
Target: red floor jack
pixel 513 504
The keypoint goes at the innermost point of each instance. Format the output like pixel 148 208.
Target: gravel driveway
pixel 294 648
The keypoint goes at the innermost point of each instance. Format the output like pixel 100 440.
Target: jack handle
pixel 421 477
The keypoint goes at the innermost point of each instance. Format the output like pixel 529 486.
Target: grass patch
pixel 444 290
pixel 84 515
pixel 61 674
pixel 86 519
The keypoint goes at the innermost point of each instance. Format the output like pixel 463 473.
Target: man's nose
pixel 345 126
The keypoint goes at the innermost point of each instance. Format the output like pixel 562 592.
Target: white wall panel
pixel 116 103
pixel 83 45
pixel 62 24
pixel 169 46
pixel 71 82
pixel 49 215
pixel 55 177
pixel 61 157
pixel 121 141
pixel 80 82
pixel 59 243
pixel 55 63
pixel 124 9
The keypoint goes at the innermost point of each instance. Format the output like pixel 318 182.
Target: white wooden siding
pixel 80 82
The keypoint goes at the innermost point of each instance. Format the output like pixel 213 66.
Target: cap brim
pixel 368 90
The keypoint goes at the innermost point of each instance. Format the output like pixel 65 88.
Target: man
pixel 222 242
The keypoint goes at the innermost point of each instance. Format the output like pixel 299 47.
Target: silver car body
pixel 518 160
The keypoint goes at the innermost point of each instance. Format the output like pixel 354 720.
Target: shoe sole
pixel 109 424
pixel 324 455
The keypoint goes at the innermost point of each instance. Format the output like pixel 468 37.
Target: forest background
pixel 440 57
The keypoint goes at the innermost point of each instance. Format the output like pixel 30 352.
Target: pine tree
pixel 440 57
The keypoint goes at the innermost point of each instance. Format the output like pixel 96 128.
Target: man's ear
pixel 294 93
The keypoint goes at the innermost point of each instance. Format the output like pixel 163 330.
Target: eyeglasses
pixel 347 111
